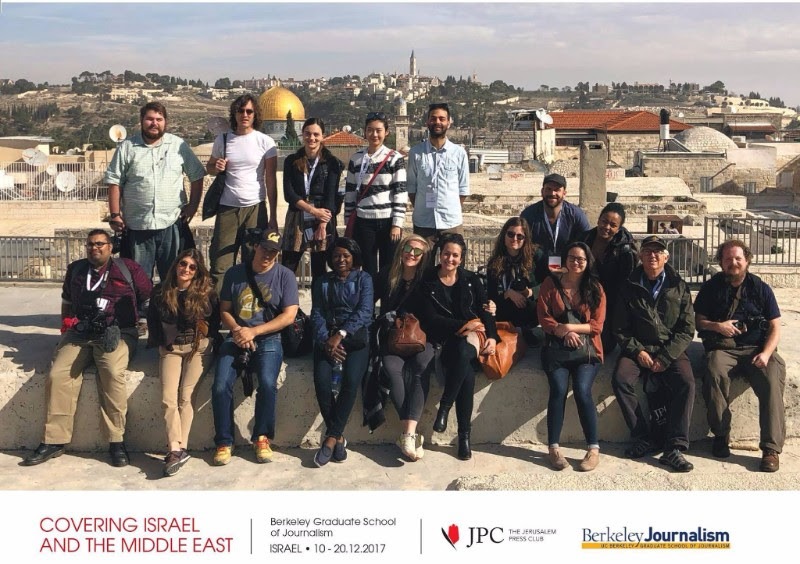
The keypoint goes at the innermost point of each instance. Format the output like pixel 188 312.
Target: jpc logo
pixel 477 535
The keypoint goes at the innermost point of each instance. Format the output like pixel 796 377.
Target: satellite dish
pixel 51 169
pixel 34 157
pixel 70 152
pixel 680 115
pixel 347 129
pixel 543 116
pixel 118 133
pixel 218 125
pixel 66 181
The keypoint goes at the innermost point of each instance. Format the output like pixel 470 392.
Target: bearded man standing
pixel 437 179
pixel 145 190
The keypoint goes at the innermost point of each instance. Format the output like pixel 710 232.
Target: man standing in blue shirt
pixel 437 179
pixel 554 223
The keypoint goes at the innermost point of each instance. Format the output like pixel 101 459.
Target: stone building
pixel 623 132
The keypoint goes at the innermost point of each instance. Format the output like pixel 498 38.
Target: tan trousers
pixel 73 354
pixel 179 376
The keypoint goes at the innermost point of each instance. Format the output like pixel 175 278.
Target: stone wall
pixel 622 147
pixel 689 169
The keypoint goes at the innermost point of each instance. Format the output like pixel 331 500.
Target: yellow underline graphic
pixel 657 545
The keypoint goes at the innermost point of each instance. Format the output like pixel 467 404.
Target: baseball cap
pixel 654 241
pixel 270 240
pixel 555 179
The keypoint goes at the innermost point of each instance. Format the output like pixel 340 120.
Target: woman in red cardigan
pixel 579 287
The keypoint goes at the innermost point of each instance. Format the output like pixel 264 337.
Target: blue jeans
pixel 155 248
pixel 336 412
pixel 266 363
pixel 582 380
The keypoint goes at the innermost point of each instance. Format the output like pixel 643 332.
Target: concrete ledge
pixel 512 410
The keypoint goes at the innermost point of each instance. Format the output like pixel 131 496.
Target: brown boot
pixel 590 461
pixel 557 460
pixel 770 461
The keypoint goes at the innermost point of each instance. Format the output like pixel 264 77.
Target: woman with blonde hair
pixel 182 320
pixel 409 377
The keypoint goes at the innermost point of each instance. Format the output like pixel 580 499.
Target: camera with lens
pixel 253 236
pixel 519 285
pixel 242 359
pixel 93 326
pixel 751 323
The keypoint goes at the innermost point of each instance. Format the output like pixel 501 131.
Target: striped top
pixel 387 196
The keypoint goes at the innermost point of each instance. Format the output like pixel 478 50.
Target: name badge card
pixel 430 198
pixel 554 262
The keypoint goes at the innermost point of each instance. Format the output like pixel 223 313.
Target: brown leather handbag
pixel 509 349
pixel 406 337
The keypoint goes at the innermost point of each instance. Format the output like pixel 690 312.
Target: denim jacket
pixel 341 304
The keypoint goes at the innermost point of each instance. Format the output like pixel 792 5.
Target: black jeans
pixel 336 412
pixel 373 237
pixel 459 384
pixel 520 317
pixel 291 259
pixel 678 378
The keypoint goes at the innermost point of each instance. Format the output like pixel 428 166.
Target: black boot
pixel 440 425
pixel 464 450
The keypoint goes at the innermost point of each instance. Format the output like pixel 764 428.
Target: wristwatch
pixel 114 215
pixel 343 333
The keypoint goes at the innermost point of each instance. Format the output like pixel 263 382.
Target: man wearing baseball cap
pixel 654 323
pixel 554 223
pixel 258 298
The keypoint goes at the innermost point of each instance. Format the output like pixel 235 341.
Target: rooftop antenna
pixel 118 133
pixel 218 125
pixel 663 138
pixel 66 181
pixel 34 157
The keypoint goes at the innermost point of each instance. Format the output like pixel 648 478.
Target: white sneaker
pixel 407 444
pixel 418 444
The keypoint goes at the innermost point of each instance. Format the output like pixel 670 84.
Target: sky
pixel 748 46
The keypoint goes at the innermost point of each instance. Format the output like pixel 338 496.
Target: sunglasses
pixel 248 111
pixel 413 251
pixel 439 106
pixel 517 236
pixel 192 267
pixel 96 244
pixel 376 115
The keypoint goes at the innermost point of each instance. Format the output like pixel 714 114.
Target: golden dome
pixel 276 102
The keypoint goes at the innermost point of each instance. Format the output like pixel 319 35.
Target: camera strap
pixel 269 310
pixel 735 303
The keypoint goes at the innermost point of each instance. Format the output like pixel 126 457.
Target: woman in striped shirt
pixel 375 191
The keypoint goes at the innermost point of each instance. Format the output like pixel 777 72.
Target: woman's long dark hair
pixel 301 162
pixel 589 287
pixel 497 261
pixel 195 306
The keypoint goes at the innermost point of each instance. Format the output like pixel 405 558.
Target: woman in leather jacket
pixel 453 305
pixel 615 257
pixel 310 186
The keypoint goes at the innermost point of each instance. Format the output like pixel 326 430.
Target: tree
pixel 544 87
pixel 223 83
pixel 717 87
pixel 290 135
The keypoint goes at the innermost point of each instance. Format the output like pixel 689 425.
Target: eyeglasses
pixel 414 251
pixel 517 236
pixel 248 111
pixel 188 265
pixel 653 251
pixel 376 115
pixel 576 260
pixel 96 244
pixel 439 106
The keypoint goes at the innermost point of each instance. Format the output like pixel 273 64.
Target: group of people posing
pixel 574 291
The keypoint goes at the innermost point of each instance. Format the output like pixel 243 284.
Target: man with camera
pixel 101 298
pixel 739 321
pixel 258 299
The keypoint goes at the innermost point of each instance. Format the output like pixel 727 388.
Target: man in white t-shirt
pixel 249 159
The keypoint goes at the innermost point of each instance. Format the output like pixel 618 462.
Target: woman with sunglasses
pixel 182 321
pixel 341 313
pixel 453 305
pixel 409 377
pixel 249 159
pixel 510 276
pixel 615 255
pixel 375 191
pixel 578 289
pixel 310 186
